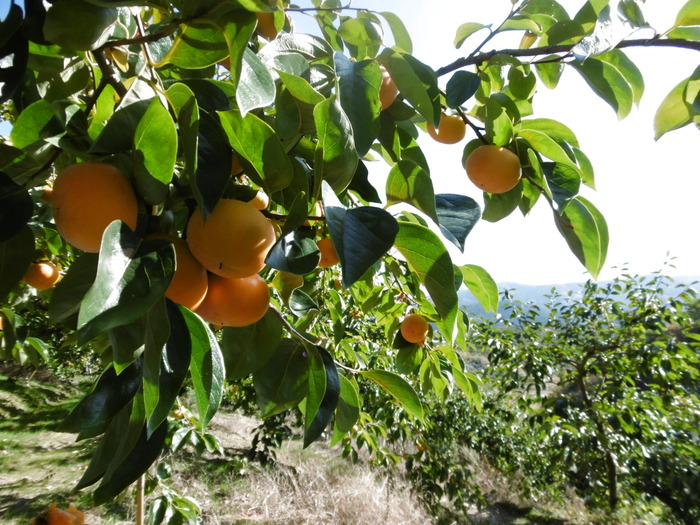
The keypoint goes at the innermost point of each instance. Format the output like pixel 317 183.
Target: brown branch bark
pixel 479 58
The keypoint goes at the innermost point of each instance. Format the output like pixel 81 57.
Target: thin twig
pixel 479 58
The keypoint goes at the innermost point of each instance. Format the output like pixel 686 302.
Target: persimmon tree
pixel 196 101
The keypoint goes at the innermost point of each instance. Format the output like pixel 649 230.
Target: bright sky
pixel 648 191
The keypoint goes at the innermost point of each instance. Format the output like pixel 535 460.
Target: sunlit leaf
pixel 481 285
pixel 399 388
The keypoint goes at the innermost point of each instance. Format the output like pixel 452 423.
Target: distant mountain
pixel 537 293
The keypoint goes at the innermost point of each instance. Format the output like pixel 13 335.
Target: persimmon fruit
pixel 42 275
pixel 329 257
pixel 233 241
pixel 414 328
pixel 388 90
pixel 266 26
pixel 235 302
pixel 55 516
pixel 451 129
pixel 189 284
pixel 86 198
pixel 494 169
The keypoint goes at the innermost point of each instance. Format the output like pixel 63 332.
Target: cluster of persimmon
pixel 493 169
pixel 217 263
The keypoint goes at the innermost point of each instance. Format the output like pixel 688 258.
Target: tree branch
pixel 480 58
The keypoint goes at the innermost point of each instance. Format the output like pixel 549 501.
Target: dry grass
pixel 319 487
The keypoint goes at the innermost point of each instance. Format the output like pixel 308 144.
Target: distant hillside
pixel 537 294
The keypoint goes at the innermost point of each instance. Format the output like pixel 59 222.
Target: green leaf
pixel 184 103
pixel 689 14
pixel 347 412
pixel 358 92
pixel 78 25
pixel 256 87
pixel 361 236
pixel 256 142
pixel 408 182
pixel 468 383
pixel 465 31
pixel 457 216
pixel 282 382
pixel 548 146
pixel 417 83
pixel 173 361
pixel 402 38
pixel 206 367
pixel 111 394
pixel 608 83
pixel 336 157
pixel 628 69
pixel 131 276
pixel 461 86
pixel 550 73
pixel 499 127
pixel 247 349
pixel 70 291
pixel 155 139
pixel 300 88
pixel 319 413
pixel 552 128
pixel 497 206
pixel 399 388
pixel 37 122
pixel 674 112
pixel 563 182
pixel 586 232
pixel 430 261
pixel 361 32
pixel 481 285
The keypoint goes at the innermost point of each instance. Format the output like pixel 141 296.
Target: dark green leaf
pixel 361 236
pixel 361 185
pixel 70 291
pixel 214 163
pixel 461 87
pixel 16 254
pixel 320 419
pixel 183 101
pixel 282 382
pixel 111 393
pixel 358 92
pixel 206 367
pixel 174 363
pixel 16 208
pixel 499 205
pixel 247 349
pixel 143 454
pixel 457 216
pixel 301 304
pixel 295 253
pixel 563 182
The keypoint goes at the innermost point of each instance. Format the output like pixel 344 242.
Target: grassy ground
pixel 39 466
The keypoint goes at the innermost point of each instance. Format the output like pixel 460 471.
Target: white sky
pixel 648 191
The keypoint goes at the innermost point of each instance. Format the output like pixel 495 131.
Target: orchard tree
pixel 190 165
